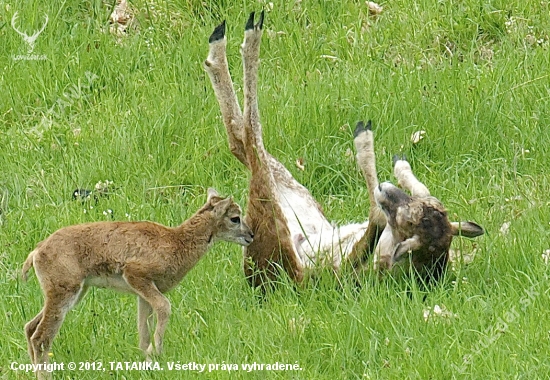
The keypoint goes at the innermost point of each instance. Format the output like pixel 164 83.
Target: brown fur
pixel 276 199
pixel 413 226
pixel 144 258
pixel 270 251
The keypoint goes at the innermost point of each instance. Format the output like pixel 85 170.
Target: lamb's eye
pixel 235 220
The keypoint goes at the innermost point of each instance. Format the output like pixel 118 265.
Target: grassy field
pixel 139 111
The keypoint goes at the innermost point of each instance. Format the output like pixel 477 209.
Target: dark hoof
pixel 397 157
pixel 362 127
pixel 250 23
pixel 218 34
pixel 260 23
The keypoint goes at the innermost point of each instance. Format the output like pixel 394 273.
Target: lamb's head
pixel 418 224
pixel 414 224
pixel 418 228
pixel 229 224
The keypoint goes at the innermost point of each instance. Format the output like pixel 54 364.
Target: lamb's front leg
pixel 147 290
pixel 217 68
pixel 406 179
pixel 364 145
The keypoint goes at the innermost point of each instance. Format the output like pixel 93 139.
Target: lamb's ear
pixel 221 207
pixel 211 193
pixel 467 229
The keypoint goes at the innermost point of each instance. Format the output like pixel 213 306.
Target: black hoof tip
pixel 218 34
pixel 260 23
pixel 362 127
pixel 250 22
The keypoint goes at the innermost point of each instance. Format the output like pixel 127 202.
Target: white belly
pixel 114 281
pixel 316 240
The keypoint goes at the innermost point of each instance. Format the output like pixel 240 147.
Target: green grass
pixel 140 112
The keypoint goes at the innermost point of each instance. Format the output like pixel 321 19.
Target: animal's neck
pixel 196 235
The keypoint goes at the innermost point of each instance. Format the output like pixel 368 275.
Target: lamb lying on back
pixel 144 258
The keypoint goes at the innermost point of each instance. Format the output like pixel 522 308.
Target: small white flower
pixel 504 229
pixel 417 136
pixel 103 186
pixel 438 312
pixel 426 314
pixel 298 325
pixel 374 9
pixel 300 164
pixel 514 198
pixel 457 257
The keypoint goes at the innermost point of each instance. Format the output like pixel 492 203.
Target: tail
pixel 28 264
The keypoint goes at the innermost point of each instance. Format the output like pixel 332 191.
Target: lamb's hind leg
pixel 217 68
pixel 250 51
pixel 30 328
pixel 145 311
pixel 58 302
pixel 273 245
pixel 406 179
